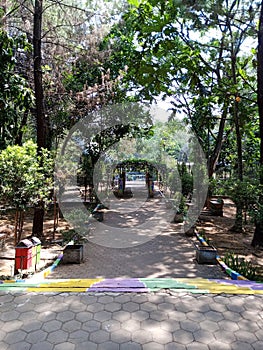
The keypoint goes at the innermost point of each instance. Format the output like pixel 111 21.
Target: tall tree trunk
pixel 38 221
pixel 39 94
pixel 238 225
pixel 258 233
pixel 213 158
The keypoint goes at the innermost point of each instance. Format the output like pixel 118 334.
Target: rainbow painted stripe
pixel 135 285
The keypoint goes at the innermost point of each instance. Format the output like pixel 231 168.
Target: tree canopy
pixel 62 61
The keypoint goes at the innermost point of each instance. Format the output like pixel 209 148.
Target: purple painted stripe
pixel 120 290
pixel 257 287
pixel 118 284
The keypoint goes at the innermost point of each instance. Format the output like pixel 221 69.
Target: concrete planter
pixel 216 207
pixel 206 255
pixel 73 254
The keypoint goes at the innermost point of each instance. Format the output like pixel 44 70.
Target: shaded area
pixel 169 255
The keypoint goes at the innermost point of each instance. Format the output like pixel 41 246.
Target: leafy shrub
pixel 240 265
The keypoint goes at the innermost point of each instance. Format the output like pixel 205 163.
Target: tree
pixel 258 233
pixel 26 177
pixel 16 97
pixel 55 34
pixel 194 54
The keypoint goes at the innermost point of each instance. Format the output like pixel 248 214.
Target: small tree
pixel 23 179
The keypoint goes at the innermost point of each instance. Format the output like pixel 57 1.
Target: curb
pixel 233 274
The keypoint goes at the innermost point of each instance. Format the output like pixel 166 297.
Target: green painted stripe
pixel 18 285
pixel 166 283
pixel 13 289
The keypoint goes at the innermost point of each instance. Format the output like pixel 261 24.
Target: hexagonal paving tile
pixel 84 316
pixel 64 346
pixel 32 325
pixel 71 326
pixel 106 299
pixel 217 345
pixel 102 316
pixel 165 306
pixel 170 325
pixel 112 307
pixel 11 326
pixel 161 336
pixel 153 346
pixel 214 316
pixel 111 325
pixel 65 316
pixel 123 298
pixel 9 315
pixel 140 315
pixel 78 336
pixel 150 325
pixel 6 298
pixel 91 326
pixel 130 306
pixel 196 316
pixel 174 346
pixel 121 336
pixel 46 315
pixel 203 336
pixel 108 345
pixel 100 336
pixel 183 337
pixel 130 346
pixel 121 316
pixel 189 325
pixel 20 346
pixel 15 337
pixel 225 336
pixel 141 336
pixel 131 325
pixel 87 345
pixel 148 306
pixel 244 336
pixel 3 346
pixel 96 307
pixel 57 337
pixel 158 315
pixel 36 336
pixel 177 315
pixel 51 326
pixel 197 346
pixel 208 325
pixel 29 315
pixel 232 316
pixel 45 345
pixel 228 325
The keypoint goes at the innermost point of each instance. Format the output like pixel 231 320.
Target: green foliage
pixel 240 265
pixel 245 193
pixel 186 179
pixel 16 96
pixel 25 177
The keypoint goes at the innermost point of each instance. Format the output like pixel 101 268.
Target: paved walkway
pixel 170 255
pixel 170 303
pixel 137 239
pixel 151 321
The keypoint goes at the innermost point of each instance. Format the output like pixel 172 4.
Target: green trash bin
pixel 36 250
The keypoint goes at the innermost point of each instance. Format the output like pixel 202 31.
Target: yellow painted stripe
pixel 57 290
pixel 257 291
pixel 72 283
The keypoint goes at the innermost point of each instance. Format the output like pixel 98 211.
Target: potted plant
pixel 181 211
pixel 74 249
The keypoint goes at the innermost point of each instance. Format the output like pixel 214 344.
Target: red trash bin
pixel 23 257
